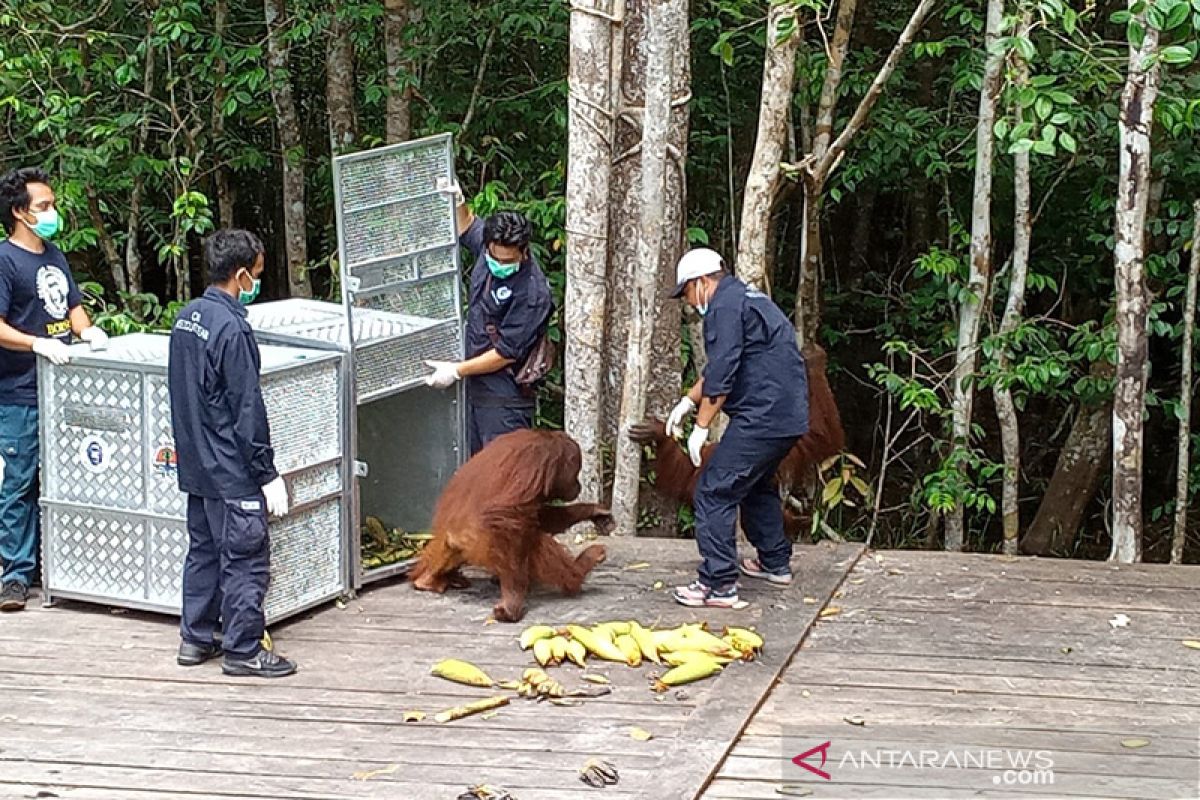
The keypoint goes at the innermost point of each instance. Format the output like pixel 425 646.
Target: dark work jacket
pixel 753 360
pixel 519 307
pixel 222 438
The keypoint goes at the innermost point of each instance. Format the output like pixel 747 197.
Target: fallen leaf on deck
pixel 740 604
pixel 591 678
pixel 638 565
pixel 857 581
pixel 894 571
pixel 809 601
pixel 855 720
pixel 340 603
pixel 1065 649
pixel 640 734
pixel 374 773
pixel 598 773
pixel 806 693
pixel 1134 744
pixel 1192 643
pixel 832 611
pixel 414 716
pixel 565 701
pixel 1119 621
pixel 794 791
pixel 659 586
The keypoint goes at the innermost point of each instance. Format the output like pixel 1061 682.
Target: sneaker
pixel 751 567
pixel 264 664
pixel 13 596
pixel 696 594
pixel 193 655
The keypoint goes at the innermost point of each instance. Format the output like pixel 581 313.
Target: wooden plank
pixel 737 789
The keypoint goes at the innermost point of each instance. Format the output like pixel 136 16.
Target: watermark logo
pixel 802 760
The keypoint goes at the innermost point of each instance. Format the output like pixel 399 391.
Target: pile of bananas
pixel 381 546
pixel 691 650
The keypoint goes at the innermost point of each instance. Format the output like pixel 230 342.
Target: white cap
pixel 695 264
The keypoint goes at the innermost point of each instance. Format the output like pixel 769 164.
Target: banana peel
pixel 598 773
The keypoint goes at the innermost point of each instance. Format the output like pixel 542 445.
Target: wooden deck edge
pixel 724 719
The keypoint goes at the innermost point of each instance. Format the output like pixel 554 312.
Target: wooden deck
pixel 93 706
pixel 913 651
pixel 937 652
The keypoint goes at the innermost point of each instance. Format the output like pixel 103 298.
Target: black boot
pixel 13 596
pixel 193 655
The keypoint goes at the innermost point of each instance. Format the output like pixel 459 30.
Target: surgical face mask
pixel 247 297
pixel 47 224
pixel 500 269
pixel 701 308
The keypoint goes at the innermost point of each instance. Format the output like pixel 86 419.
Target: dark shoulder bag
pixel 538 362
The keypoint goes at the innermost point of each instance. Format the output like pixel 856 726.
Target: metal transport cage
pixel 113 518
pixel 401 291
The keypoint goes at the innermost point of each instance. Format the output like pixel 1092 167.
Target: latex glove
pixel 454 189
pixel 445 373
pixel 276 495
pixel 94 336
pixel 53 350
pixel 675 420
pixel 696 441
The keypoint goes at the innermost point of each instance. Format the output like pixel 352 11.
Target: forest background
pixel 983 211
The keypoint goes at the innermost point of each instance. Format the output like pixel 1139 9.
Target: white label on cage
pixel 94 454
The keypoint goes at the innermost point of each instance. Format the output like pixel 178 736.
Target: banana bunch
pixel 536 683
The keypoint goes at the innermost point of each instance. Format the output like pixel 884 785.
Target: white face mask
pixel 701 308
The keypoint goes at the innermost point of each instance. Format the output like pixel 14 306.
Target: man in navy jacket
pixel 226 464
pixel 756 375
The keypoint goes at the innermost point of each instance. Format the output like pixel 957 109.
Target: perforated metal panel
pixel 113 518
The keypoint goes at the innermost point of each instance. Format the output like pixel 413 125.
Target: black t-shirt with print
pixel 37 292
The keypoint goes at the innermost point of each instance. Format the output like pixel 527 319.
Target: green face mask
pixel 246 298
pixel 48 223
pixel 500 269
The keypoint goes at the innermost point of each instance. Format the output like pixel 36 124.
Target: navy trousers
pixel 741 476
pixel 226 573
pixel 19 518
pixel 488 422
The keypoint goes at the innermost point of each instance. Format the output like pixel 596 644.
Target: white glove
pixel 53 350
pixel 675 420
pixel 94 336
pixel 696 441
pixel 445 373
pixel 276 495
pixel 452 188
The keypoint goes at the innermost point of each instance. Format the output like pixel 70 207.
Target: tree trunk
pixel 625 217
pixel 1129 402
pixel 399 72
pixel 339 83
pixel 970 312
pixel 762 184
pixel 589 146
pixel 116 267
pixel 1185 396
pixel 291 151
pixel 1076 477
pixel 1006 411
pixel 133 256
pixel 642 300
pixel 818 169
pixel 225 192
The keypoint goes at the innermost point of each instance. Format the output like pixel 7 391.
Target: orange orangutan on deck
pixel 495 513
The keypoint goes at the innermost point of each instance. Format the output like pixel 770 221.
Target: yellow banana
pixel 613 629
pixel 677 658
pixel 461 672
pixel 577 652
pixel 598 645
pixel 533 634
pixel 543 651
pixel 645 642
pixel 558 647
pixel 535 676
pixel 692 670
pixel 696 638
pixel 745 638
pixel 627 645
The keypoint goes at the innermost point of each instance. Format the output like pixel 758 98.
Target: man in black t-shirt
pixel 39 310
pixel 508 311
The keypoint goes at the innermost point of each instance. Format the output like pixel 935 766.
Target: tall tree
pixel 1014 309
pixel 784 36
pixel 225 191
pixel 642 299
pixel 970 310
pixel 1185 395
pixel 1133 194
pixel 398 122
pixel 589 148
pixel 339 80
pixel 291 147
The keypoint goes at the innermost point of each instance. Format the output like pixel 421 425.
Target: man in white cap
pixel 756 375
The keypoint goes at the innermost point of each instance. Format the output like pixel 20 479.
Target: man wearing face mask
pixel 39 310
pixel 226 465
pixel 509 308
pixel 756 375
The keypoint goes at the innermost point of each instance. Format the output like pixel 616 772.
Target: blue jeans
pixel 19 518
pixel 226 573
pixel 741 475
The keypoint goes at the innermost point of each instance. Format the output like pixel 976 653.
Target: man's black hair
pixel 14 193
pixel 228 250
pixel 507 228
